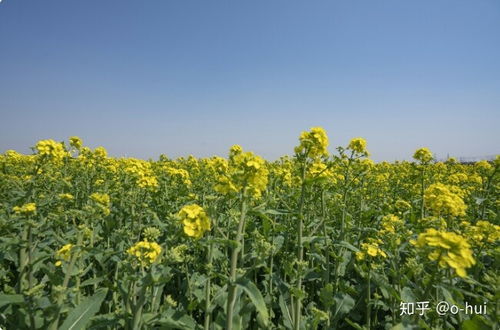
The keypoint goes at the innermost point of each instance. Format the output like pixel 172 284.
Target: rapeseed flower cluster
pixel 313 144
pixel 195 220
pixel 442 200
pixel 145 252
pixel 63 254
pixel 245 171
pixel 283 171
pixel 371 249
pixel 66 196
pixel 319 170
pixel 424 155
pixel 448 249
pixel 402 205
pixel 100 153
pixel 482 232
pixel 179 173
pixel 483 166
pixel 391 223
pixel 102 201
pixel 142 172
pixel 75 142
pixel 358 145
pixel 51 149
pixel 26 209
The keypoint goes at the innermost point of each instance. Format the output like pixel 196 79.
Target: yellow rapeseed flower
pixel 75 142
pixel 442 199
pixel 66 196
pixel 26 209
pixel 371 249
pixel 314 143
pixel 195 220
pixel 424 155
pixel 358 145
pixel 145 252
pixel 102 201
pixel 448 249
pixel 51 149
pixel 63 254
pixel 245 170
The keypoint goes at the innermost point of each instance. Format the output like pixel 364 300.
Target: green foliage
pixel 316 241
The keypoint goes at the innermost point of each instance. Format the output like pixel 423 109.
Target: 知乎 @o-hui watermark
pixel 442 308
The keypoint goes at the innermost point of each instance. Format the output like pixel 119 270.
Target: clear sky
pixel 181 77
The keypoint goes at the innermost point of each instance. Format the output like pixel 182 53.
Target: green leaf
pixel 177 320
pixel 91 281
pixel 81 314
pixel 343 304
pixel 347 245
pixel 7 299
pixel 447 295
pixel 285 311
pixel 475 323
pixel 256 297
pixel 407 295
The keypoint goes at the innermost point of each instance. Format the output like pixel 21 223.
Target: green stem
pixel 234 265
pixel 139 306
pixel 487 188
pixel 368 300
pixel 208 288
pixel 300 249
pixel 60 299
pixel 23 260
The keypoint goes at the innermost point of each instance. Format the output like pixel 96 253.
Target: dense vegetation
pixel 316 240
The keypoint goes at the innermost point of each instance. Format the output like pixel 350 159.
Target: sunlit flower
pixel 424 155
pixel 145 252
pixel 26 209
pixel 313 143
pixel 448 249
pixel 195 220
pixel 63 254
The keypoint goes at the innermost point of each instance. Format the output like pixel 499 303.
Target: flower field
pixel 317 240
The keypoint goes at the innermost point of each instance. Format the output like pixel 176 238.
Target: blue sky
pixel 143 78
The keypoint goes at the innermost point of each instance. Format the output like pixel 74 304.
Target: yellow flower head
pixel 145 252
pixel 370 249
pixel 483 166
pixel 63 254
pixel 235 149
pixel 448 249
pixel 314 143
pixel 245 170
pixel 102 201
pixel 179 173
pixel 66 196
pixel 75 142
pixel 424 155
pixel 51 149
pixel 442 200
pixel 100 152
pixel 26 209
pixel 195 220
pixel 482 232
pixel 391 223
pixel 402 205
pixel 358 145
pixel 319 170
pixel 141 171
